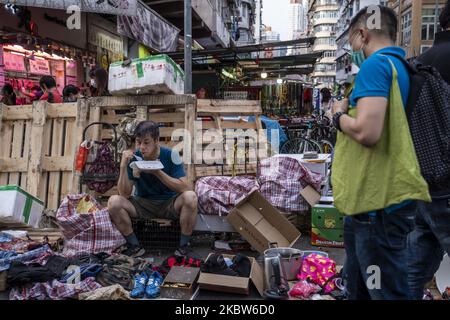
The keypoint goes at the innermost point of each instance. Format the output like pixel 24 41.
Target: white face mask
pixel 93 83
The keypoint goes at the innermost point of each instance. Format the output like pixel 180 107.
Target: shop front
pixel 23 68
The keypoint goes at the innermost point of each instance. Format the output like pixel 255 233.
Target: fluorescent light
pixel 264 75
pixel 280 81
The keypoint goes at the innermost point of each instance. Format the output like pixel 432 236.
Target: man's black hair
pixel 388 23
pixel 70 89
pixel 49 82
pixel 444 18
pixel 145 128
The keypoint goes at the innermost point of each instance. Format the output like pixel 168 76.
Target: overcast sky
pixel 275 14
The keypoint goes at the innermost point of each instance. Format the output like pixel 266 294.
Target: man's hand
pixel 127 155
pixel 156 173
pixel 340 106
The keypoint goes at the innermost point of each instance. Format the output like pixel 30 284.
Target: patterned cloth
pixel 86 233
pixel 25 257
pixel 218 195
pixel 281 179
pixel 5 237
pixel 53 290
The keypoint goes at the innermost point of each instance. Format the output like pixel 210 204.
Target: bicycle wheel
pixel 299 146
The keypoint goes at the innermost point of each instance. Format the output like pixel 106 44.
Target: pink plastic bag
pixel 304 289
pixel 320 270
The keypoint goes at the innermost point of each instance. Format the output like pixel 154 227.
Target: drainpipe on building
pixel 187 47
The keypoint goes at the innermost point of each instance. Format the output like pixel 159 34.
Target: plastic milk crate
pixel 157 235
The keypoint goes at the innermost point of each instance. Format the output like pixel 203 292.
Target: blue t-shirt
pixel 375 79
pixel 150 187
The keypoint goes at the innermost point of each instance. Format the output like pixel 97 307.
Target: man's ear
pixel 365 35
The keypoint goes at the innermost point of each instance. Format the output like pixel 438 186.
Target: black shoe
pixel 217 265
pixel 134 251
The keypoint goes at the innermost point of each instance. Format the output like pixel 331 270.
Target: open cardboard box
pixel 180 283
pixel 261 224
pixel 230 284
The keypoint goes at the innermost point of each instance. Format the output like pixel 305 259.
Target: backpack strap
pixel 411 67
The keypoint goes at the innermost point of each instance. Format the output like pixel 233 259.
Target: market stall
pixel 23 68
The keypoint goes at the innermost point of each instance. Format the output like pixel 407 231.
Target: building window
pixel 324 27
pixel 325 41
pixel 325 15
pixel 329 54
pixel 428 17
pixel 323 67
pixel 406 28
pixel 424 48
pixel 357 5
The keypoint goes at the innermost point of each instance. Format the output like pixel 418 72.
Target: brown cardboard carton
pixel 261 224
pixel 310 195
pixel 230 284
pixel 180 283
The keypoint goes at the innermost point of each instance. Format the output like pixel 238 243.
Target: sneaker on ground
pixel 134 251
pixel 154 281
pixel 140 283
pixel 186 251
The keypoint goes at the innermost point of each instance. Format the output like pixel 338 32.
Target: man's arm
pixel 178 185
pixel 125 185
pixel 367 127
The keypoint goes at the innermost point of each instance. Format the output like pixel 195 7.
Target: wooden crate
pixel 38 147
pixel 226 136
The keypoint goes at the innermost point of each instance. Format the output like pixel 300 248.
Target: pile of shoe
pixel 239 266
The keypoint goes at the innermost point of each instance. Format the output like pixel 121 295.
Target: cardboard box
pixel 327 224
pixel 230 284
pixel 19 207
pixel 327 237
pixel 319 165
pixel 180 283
pixel 261 224
pixel 153 74
pixel 326 216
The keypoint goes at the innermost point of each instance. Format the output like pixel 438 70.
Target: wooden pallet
pixel 38 146
pixel 226 136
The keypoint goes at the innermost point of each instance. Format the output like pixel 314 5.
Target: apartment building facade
pixel 418 22
pixel 322 20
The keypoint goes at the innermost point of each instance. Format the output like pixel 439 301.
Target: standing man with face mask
pixel 376 176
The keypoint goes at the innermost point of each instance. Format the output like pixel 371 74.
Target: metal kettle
pixel 276 285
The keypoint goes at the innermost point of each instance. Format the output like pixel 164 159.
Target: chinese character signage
pixel 39 67
pixel 14 62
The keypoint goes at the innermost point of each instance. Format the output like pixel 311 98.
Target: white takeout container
pixel 147 165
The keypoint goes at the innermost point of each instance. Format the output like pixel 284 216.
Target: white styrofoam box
pixel 146 75
pixel 18 206
pixel 320 168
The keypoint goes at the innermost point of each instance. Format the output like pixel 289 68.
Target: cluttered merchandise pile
pixel 84 258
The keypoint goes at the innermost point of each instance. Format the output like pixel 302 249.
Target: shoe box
pixel 180 283
pixel 327 224
pixel 233 284
pixel 261 224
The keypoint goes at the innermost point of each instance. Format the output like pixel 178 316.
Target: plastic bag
pixel 304 289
